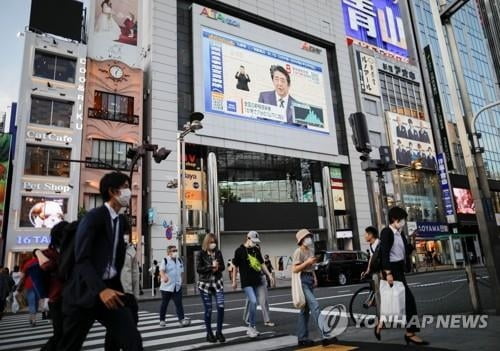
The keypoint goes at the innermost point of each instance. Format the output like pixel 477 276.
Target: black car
pixel 340 267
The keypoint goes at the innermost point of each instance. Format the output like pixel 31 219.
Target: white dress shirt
pixel 373 246
pixel 398 251
pixel 110 271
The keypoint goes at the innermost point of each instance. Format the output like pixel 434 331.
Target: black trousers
pixel 131 303
pixel 56 314
pixel 120 324
pixel 398 273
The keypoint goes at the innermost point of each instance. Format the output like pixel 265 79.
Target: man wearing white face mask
pixel 395 258
pixel 94 291
pixel 171 269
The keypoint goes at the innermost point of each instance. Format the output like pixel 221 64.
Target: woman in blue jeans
pixel 303 262
pixel 210 267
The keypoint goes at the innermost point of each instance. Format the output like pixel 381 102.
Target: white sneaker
pixel 252 332
pixel 162 323
pixel 185 322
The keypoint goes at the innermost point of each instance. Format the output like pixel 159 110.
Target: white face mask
pixel 212 246
pixel 251 243
pixel 308 242
pixel 124 197
pixel 175 254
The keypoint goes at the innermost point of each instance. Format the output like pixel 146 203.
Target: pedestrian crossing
pixel 17 334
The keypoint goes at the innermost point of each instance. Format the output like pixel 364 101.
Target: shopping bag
pixel 43 305
pixel 15 305
pixel 298 298
pixel 392 303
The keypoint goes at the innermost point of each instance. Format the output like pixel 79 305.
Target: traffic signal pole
pixel 482 198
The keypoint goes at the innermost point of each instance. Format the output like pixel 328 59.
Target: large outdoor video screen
pixel 260 86
pixel 246 79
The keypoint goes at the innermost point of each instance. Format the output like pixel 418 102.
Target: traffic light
pixel 360 136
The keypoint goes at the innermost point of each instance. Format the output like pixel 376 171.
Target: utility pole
pixel 482 197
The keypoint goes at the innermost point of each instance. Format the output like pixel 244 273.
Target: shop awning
pixel 454 236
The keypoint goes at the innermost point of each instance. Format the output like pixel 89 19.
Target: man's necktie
pixel 282 103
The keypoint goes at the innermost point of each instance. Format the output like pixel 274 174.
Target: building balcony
pixel 92 162
pixel 113 116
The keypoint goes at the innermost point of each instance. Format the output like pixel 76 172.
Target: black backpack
pixel 67 259
pixel 376 260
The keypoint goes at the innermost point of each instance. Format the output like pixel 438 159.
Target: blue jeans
pixel 165 299
pixel 32 298
pixel 311 306
pixel 251 293
pixel 207 303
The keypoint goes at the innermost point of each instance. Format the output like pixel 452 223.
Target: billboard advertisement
pixel 42 212
pixel 5 145
pixel 378 23
pixel 254 84
pixel 464 201
pixel 411 140
pixel 246 79
pixel 114 30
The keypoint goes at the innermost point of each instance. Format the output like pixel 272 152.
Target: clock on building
pixel 116 72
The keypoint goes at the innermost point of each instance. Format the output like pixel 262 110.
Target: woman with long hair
pixel 210 266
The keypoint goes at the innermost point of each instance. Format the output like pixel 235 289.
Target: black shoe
pixel 306 342
pixel 409 340
pixel 220 337
pixel 377 333
pixel 211 337
pixel 330 341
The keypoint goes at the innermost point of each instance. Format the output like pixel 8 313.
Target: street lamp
pixel 192 126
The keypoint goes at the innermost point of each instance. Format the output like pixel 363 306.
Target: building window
pixel 51 112
pixel 371 107
pixel 113 107
pixel 42 212
pixel 54 67
pixel 47 161
pixel 401 96
pixel 93 201
pixel 109 154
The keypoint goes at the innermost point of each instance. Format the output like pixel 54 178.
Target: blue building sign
pixel 377 23
pixel 431 229
pixel 445 187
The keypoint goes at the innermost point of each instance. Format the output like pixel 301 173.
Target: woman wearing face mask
pixel 395 256
pixel 210 267
pixel 303 262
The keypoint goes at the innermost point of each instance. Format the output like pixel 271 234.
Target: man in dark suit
pixel 94 290
pixel 430 160
pixel 395 260
pixel 401 154
pixel 412 132
pixel 401 131
pixel 423 136
pixel 280 95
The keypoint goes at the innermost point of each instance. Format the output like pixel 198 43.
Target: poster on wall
pixel 115 30
pixel 245 79
pixel 42 212
pixel 411 140
pixel 5 145
pixel 464 201
pixel 457 247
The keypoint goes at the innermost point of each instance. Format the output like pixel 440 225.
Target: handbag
pixel 298 298
pixel 392 302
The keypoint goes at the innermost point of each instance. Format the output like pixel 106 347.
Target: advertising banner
pixel 114 30
pixel 42 212
pixel 195 190
pixel 445 188
pixel 368 74
pixel 245 79
pixel 464 201
pixel 5 145
pixel 411 140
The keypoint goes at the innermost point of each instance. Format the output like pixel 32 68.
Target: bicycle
pixel 361 305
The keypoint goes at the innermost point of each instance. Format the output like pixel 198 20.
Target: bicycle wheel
pixel 363 307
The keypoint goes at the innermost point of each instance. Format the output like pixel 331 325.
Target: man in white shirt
pixel 171 269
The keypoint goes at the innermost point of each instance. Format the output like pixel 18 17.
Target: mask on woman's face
pixel 212 246
pixel 308 242
pixel 124 197
pixel 251 243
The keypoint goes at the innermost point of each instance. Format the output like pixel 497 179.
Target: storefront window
pixel 51 112
pixel 113 107
pixel 47 161
pixel 42 212
pixel 253 177
pixel 54 67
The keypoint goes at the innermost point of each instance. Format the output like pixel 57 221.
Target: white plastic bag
pixel 15 305
pixel 392 302
pixel 298 298
pixel 43 305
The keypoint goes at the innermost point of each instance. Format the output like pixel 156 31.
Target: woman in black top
pixel 395 259
pixel 210 283
pixel 243 79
